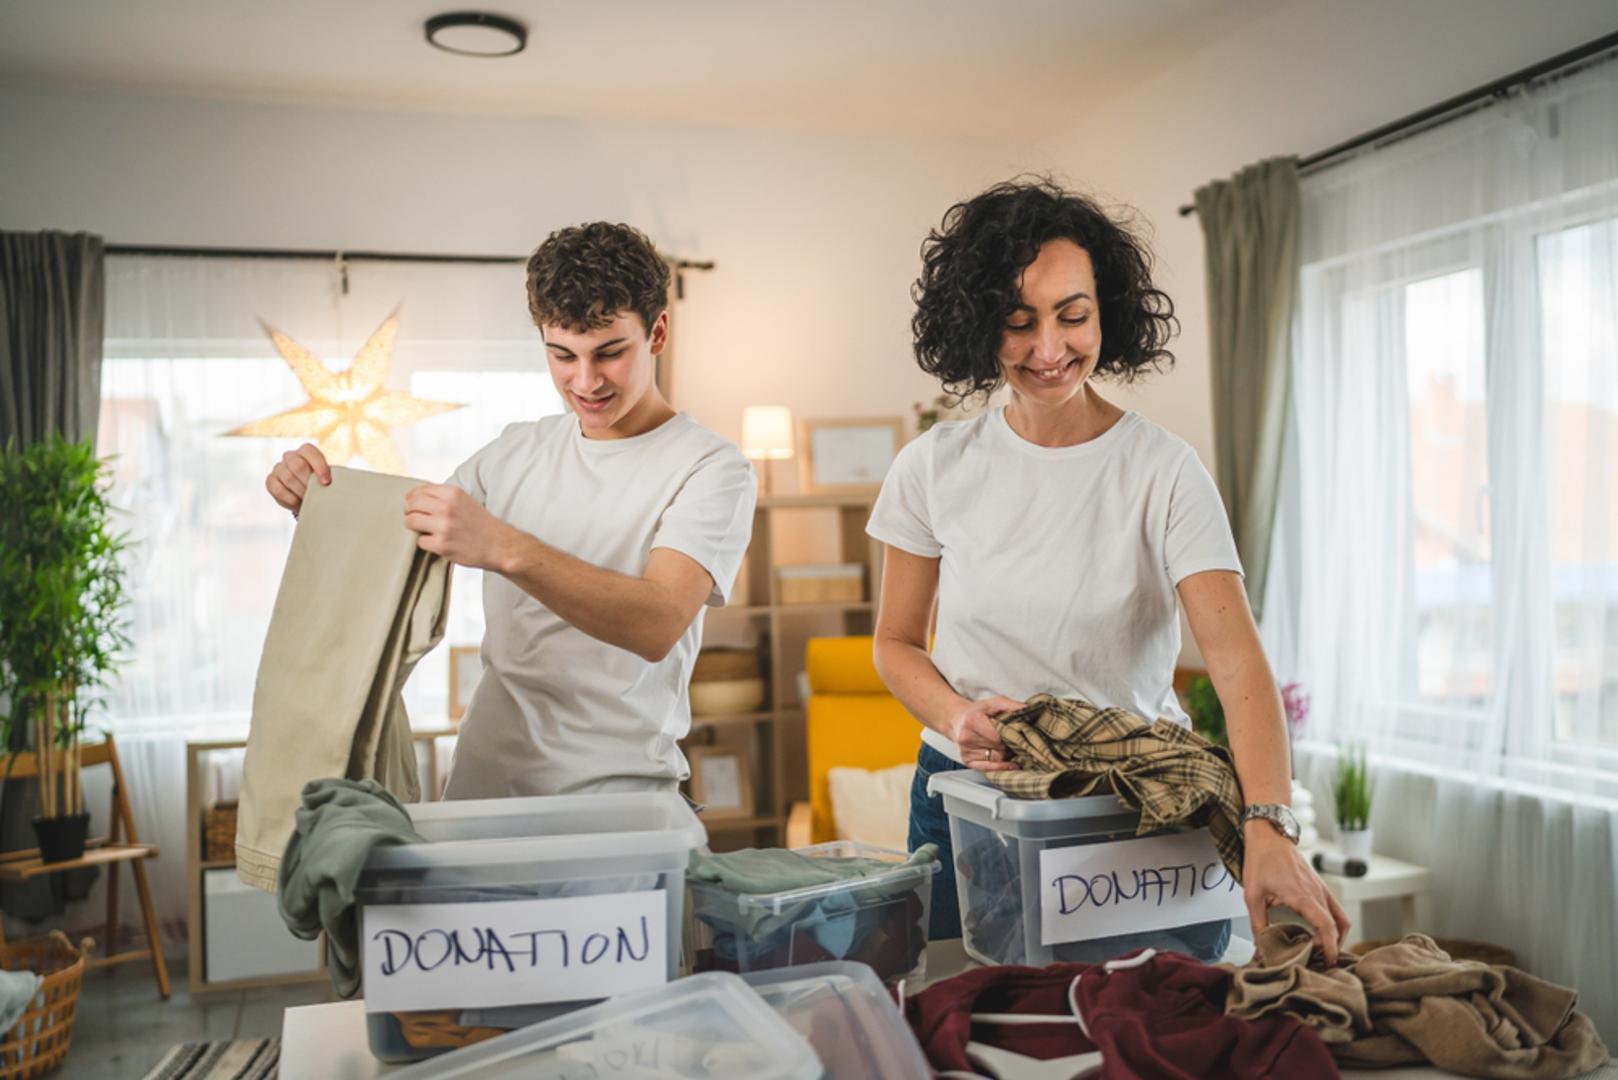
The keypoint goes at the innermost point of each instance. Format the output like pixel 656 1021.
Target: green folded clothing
pixel 773 870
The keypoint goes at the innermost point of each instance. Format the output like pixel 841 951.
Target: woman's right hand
pixel 289 480
pixel 975 734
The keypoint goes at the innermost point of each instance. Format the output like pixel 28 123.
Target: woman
pixel 1060 533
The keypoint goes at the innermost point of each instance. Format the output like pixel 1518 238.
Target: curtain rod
pixel 338 255
pixel 1455 107
pixel 342 258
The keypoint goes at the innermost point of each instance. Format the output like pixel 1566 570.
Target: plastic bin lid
pixel 904 874
pixel 480 832
pixel 709 1026
pixel 969 786
pixel 847 1015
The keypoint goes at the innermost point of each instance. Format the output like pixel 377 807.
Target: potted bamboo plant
pixel 1352 794
pixel 61 619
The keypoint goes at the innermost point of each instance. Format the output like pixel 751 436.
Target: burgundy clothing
pixel 1163 1019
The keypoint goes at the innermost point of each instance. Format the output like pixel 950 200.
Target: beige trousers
pixel 359 604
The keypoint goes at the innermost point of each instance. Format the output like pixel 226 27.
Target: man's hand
pixel 1275 872
pixel 288 482
pixel 456 526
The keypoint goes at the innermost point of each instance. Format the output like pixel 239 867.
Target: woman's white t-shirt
pixel 1057 565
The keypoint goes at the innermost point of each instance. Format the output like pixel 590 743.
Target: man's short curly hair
pixel 970 269
pixel 581 277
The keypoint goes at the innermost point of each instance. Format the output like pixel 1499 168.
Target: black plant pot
pixel 61 838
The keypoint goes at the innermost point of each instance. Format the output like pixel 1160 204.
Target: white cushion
pixel 872 806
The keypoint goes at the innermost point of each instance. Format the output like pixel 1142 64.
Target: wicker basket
pixel 440 1030
pixel 219 832
pixel 38 1042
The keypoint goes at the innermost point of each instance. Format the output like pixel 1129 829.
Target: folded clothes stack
pixel 773 908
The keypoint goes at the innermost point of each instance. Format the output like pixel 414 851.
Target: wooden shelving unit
pixel 196 752
pixel 784 528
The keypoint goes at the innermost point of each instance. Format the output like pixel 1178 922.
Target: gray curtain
pixel 1250 228
pixel 51 311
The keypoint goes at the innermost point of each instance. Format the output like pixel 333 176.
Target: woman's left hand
pixel 1274 871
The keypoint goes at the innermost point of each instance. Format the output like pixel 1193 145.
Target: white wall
pixel 1296 79
pixel 815 237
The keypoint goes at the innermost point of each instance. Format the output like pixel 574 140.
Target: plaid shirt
pixel 1172 775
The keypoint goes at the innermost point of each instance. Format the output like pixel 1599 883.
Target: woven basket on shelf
pixel 219 832
pixel 38 1042
pixel 718 663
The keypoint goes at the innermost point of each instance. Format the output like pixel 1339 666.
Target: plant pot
pixel 1355 843
pixel 61 838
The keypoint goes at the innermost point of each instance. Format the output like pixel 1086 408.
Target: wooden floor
pixel 123 1028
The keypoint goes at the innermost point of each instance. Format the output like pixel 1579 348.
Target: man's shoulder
pixel 701 445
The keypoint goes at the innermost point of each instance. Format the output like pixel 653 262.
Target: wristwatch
pixel 1277 815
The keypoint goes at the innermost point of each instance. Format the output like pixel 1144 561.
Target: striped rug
pixel 242 1059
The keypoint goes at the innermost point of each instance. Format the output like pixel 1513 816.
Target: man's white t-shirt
pixel 557 710
pixel 1057 565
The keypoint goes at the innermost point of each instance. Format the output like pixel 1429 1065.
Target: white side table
pixel 1387 879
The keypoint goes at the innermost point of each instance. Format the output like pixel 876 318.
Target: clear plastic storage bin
pixel 848 1016
pixel 706 1027
pixel 491 851
pixel 880 921
pixel 997 840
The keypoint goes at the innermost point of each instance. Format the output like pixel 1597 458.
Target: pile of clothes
pixel 1070 748
pixel 323 884
pixel 1161 1014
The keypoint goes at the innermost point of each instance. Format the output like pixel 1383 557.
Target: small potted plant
pixel 1352 793
pixel 1207 714
pixel 61 619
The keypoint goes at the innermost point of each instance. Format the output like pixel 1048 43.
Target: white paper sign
pixel 1126 886
pixel 513 952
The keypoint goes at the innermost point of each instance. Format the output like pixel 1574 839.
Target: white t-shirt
pixel 1057 565
pixel 557 710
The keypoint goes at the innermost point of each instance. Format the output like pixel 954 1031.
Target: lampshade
pixel 767 432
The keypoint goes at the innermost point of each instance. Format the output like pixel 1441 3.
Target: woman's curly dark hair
pixel 584 275
pixel 972 263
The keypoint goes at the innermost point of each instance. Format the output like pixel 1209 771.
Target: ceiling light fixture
pixel 476 33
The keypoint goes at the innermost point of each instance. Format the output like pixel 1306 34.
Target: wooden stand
pixel 120 845
pixel 779 728
pixel 196 866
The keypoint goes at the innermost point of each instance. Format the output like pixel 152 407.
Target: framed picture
pixel 465 668
pixel 720 781
pixel 847 456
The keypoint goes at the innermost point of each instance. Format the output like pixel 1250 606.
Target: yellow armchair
pixel 852 721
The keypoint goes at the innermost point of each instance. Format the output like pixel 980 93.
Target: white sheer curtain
pixel 1447 577
pixel 186 359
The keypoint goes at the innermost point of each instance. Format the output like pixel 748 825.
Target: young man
pixel 603 533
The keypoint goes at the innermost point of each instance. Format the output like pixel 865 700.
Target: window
pixel 1579 343
pixel 1449 486
pixel 186 361
pixel 1450 507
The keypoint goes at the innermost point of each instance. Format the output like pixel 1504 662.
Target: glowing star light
pixel 348 412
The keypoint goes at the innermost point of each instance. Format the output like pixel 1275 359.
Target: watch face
pixel 1288 822
pixel 1281 817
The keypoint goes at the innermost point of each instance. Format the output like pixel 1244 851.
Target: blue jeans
pixel 930 825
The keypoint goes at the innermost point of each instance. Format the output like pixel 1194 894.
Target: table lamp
pixel 767 437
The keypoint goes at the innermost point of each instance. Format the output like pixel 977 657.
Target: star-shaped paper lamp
pixel 348 412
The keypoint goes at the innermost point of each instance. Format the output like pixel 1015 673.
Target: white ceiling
pixel 964 67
